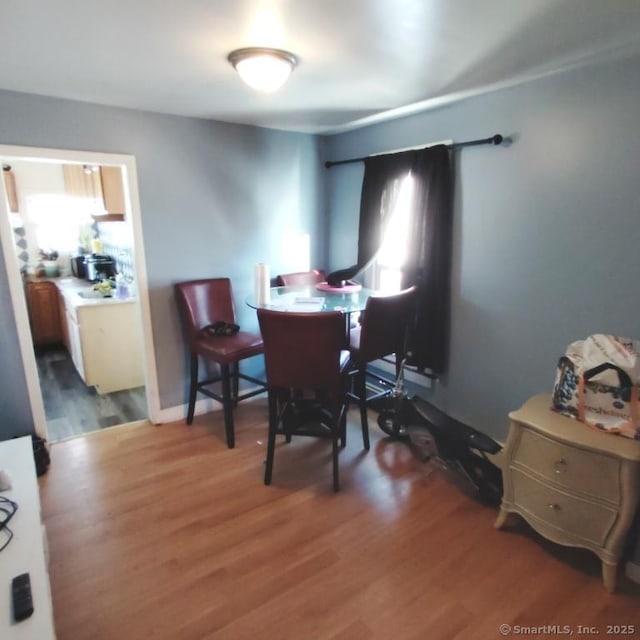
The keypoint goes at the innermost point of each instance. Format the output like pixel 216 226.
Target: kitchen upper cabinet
pixel 10 187
pixel 112 190
pixel 102 184
pixel 82 181
pixel 44 313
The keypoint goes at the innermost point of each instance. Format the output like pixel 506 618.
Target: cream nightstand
pixel 573 485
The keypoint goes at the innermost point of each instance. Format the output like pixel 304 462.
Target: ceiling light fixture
pixel 262 68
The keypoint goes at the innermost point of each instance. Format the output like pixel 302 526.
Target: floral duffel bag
pixel 597 382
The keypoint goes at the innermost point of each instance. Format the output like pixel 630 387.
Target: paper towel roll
pixel 262 283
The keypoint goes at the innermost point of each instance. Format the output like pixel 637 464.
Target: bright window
pixel 392 255
pixel 58 220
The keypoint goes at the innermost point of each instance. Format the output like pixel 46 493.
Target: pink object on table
pixel 348 288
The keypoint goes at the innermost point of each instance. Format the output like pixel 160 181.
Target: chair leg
pixel 334 451
pixel 227 405
pixel 271 441
pixel 193 388
pixel 365 436
pixel 343 426
pixel 361 392
pixel 282 401
pixel 236 382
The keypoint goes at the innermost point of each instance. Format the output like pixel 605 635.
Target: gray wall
pixel 215 199
pixel 15 411
pixel 546 242
pixel 546 238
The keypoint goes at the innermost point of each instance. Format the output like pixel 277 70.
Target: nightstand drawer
pixel 570 515
pixel 587 472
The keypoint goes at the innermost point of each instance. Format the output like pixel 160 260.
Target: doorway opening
pixel 70 225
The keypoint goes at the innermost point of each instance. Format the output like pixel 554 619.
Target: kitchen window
pixel 58 220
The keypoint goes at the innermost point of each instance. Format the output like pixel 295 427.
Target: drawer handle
pixel 554 506
pixel 560 465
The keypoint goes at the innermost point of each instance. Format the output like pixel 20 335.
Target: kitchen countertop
pixel 74 290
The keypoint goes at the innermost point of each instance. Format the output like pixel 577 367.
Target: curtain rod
pixel 494 140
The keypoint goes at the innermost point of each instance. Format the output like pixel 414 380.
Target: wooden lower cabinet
pixel 44 313
pixel 572 484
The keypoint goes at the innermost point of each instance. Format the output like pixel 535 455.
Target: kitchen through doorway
pixel 77 281
pixel 72 408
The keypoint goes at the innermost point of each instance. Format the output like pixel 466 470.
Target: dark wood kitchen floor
pixel 71 408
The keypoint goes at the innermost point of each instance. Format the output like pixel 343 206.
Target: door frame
pixel 133 218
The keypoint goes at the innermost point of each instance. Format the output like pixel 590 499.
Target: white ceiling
pixel 360 60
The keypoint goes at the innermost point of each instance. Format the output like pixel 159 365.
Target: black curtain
pixel 380 188
pixel 430 238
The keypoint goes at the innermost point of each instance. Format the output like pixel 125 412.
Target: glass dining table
pixel 309 298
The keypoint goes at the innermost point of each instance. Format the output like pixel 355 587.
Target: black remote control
pixel 21 596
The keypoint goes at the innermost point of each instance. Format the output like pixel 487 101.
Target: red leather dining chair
pixel 382 332
pixel 307 378
pixel 203 303
pixel 301 277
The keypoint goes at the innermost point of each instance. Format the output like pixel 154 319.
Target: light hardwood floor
pixel 163 532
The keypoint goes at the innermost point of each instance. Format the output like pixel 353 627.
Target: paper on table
pixel 309 300
pixel 307 304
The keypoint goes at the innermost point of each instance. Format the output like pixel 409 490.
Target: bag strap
pixel 634 396
pixel 623 377
pixel 565 361
pixel 581 414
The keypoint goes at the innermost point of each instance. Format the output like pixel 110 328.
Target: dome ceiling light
pixel 262 68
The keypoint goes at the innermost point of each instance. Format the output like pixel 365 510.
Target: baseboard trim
pixel 179 412
pixel 101 430
pixel 204 405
